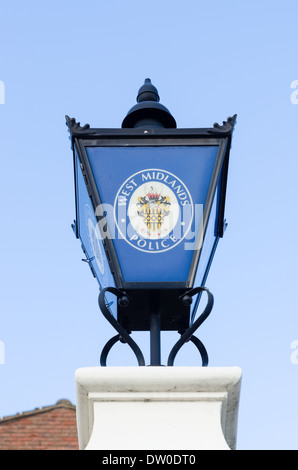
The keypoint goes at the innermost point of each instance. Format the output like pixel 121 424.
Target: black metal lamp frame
pixel 168 304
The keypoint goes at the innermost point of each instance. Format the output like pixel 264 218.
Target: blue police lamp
pixel 150 202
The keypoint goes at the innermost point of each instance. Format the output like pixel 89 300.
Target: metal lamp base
pixel 124 335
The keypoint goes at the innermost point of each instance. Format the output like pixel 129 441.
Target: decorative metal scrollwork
pixel 124 335
pixel 188 334
pixel 225 129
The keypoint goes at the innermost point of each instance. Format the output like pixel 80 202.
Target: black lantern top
pixel 148 112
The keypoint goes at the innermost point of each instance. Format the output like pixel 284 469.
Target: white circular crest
pixel 153 210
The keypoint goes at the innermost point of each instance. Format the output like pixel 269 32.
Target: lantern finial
pixel 148 112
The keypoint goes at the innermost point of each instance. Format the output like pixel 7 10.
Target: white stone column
pixel 165 408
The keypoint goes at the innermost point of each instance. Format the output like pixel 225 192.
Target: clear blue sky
pixel 208 60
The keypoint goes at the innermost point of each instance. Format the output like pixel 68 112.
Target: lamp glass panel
pixel 153 199
pixel 89 232
pixel 210 242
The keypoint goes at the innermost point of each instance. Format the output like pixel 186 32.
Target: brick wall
pixel 50 428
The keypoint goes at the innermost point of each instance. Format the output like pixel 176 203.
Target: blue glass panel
pixel 153 198
pixel 208 249
pixel 210 241
pixel 89 232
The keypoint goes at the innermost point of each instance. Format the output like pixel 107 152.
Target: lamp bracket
pixel 124 335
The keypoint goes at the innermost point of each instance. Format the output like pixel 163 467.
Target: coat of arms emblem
pixel 153 208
